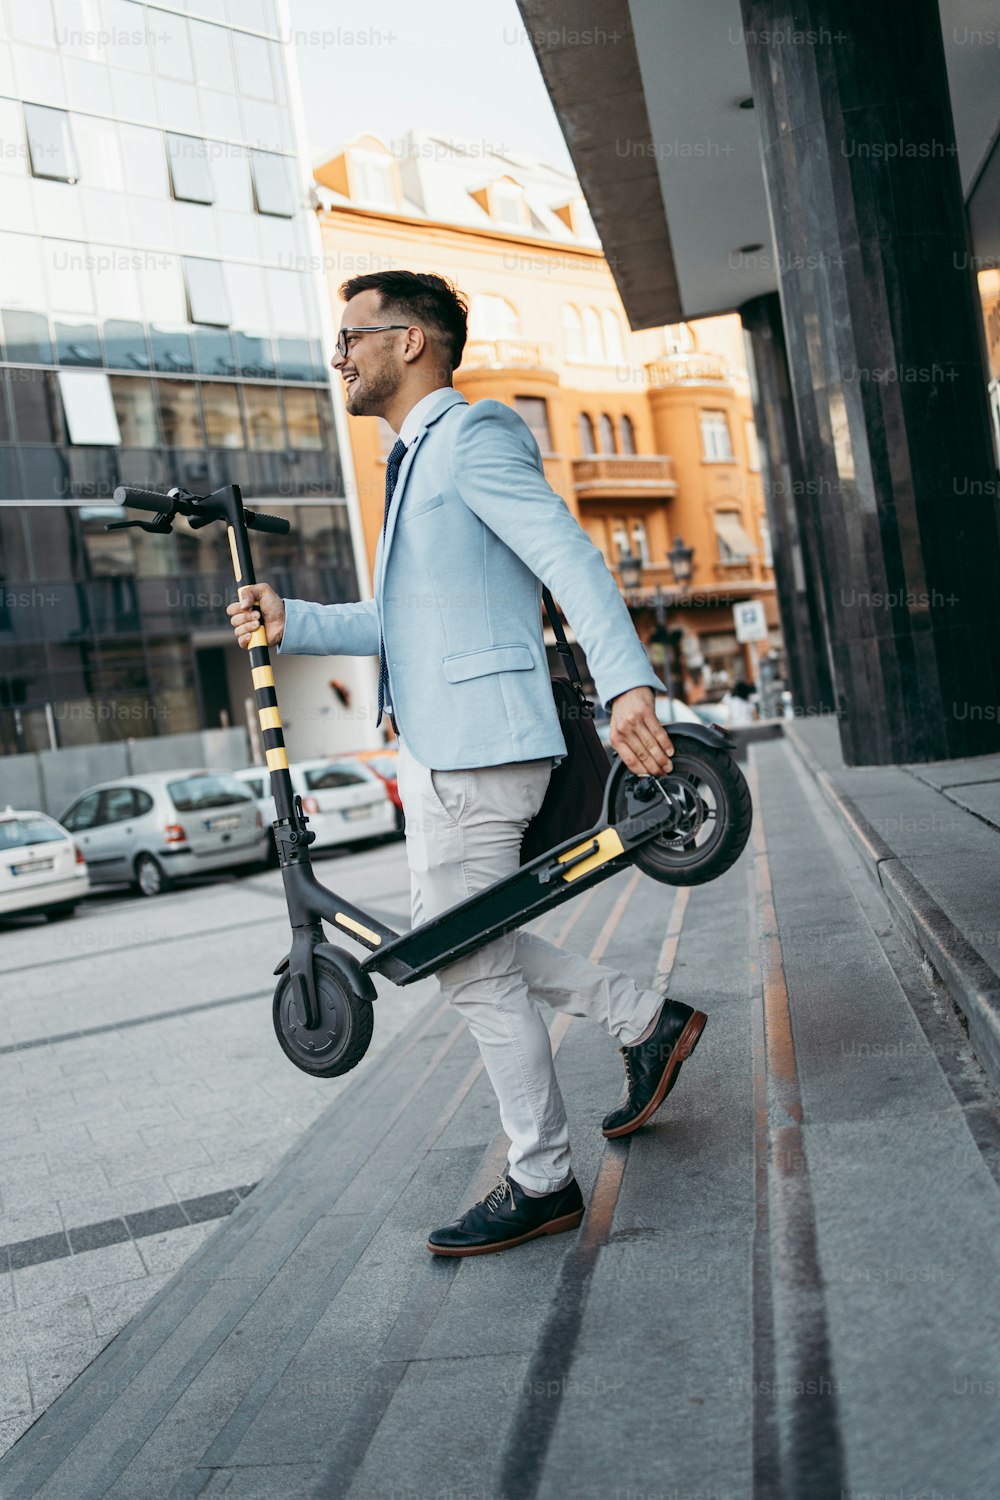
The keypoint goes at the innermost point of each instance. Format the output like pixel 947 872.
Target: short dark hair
pixel 425 298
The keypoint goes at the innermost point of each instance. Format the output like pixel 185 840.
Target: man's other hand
pixel 637 734
pixel 257 602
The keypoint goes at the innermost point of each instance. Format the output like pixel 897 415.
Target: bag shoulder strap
pixel 566 652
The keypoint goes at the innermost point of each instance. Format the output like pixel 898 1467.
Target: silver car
pixel 41 867
pixel 154 829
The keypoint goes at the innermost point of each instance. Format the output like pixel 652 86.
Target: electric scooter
pixel 684 828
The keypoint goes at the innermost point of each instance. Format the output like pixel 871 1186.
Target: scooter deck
pixel 535 888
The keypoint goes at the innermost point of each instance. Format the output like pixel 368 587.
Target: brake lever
pixel 160 524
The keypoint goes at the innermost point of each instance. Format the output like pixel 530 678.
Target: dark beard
pixel 370 394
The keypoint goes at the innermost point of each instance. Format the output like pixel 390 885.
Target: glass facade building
pixel 159 325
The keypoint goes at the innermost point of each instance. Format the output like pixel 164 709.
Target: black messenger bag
pixel 575 792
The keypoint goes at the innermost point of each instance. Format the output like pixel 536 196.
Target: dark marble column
pixel 797 570
pixel 880 316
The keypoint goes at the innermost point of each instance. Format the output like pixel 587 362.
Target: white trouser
pixel 463 833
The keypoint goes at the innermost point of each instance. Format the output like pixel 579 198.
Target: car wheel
pixel 60 913
pixel 150 876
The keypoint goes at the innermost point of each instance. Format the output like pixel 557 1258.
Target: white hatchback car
pixel 344 800
pixel 42 869
pixel 155 828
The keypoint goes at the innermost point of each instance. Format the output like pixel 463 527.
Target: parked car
pixel 154 829
pixel 385 763
pixel 42 869
pixel 346 802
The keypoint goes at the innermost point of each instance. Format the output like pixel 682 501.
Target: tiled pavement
pixel 163 1103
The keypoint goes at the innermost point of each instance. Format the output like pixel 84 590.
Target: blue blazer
pixel 473 532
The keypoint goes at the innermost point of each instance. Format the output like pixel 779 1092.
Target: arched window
pixel 572 331
pixel 586 429
pixel 593 344
pixel 627 433
pixel 605 433
pixel 492 318
pixel 612 337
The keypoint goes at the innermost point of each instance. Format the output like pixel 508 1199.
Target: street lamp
pixel 680 560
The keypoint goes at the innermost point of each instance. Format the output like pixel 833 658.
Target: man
pixel 470 528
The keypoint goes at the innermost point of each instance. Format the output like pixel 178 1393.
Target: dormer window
pixel 576 216
pixel 507 205
pixel 372 179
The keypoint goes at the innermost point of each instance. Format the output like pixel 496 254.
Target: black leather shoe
pixel 506 1217
pixel 651 1067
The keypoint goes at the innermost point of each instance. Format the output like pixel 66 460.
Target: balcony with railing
pixel 688 369
pixel 613 474
pixel 505 354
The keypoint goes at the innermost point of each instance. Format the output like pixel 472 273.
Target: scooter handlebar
pixel 155 500
pixel 127 494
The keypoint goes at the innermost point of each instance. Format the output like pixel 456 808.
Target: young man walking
pixel 471 531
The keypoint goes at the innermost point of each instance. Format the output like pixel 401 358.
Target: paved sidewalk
pixel 929 835
pixel 781 1287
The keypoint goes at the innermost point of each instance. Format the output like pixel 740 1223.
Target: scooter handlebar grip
pixel 258 521
pixel 126 494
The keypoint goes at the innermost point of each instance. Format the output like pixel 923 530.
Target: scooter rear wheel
pixel 717 818
pixel 344 1032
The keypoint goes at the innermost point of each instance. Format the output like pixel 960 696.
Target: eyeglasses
pixel 342 347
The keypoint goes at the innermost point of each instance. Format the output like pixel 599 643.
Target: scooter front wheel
pixel 345 1027
pixel 716 813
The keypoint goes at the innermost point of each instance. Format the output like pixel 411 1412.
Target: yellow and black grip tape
pixel 268 712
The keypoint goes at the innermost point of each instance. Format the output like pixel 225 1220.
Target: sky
pixel 389 66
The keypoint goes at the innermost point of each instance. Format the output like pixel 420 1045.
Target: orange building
pixel 647 436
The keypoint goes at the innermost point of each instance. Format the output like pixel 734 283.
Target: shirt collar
pixel 419 415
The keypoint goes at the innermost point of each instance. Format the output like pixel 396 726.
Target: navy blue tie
pixel 392 464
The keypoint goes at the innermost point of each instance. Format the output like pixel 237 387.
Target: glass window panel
pixel 77 343
pixel 171 351
pixel 144 163
pixel 136 411
pixel 220 113
pixel 253 354
pixel 50 143
pixel 288 313
pixel 26 336
pixel 231 175
pixel 109 553
pixel 5 431
pixel 206 291
pixel 304 427
pixel 13 549
pixel 190 177
pixel 535 411
pixel 163 290
pixel 10 478
pixel 253 65
pixel 53 542
pixel 586 431
pixel 322 532
pixel 272 185
pixel 99 153
pixel 33 23
pixel 179 413
pixel 213 352
pixel 171 50
pixel 126 35
pixel 295 360
pixel 67 270
pixel 125 345
pixel 628 434
pixel 37 409
pixel 221 406
pixel 263 413
pixel 23 284
pixel 213 62
pixel 245 286
pixel 605 433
